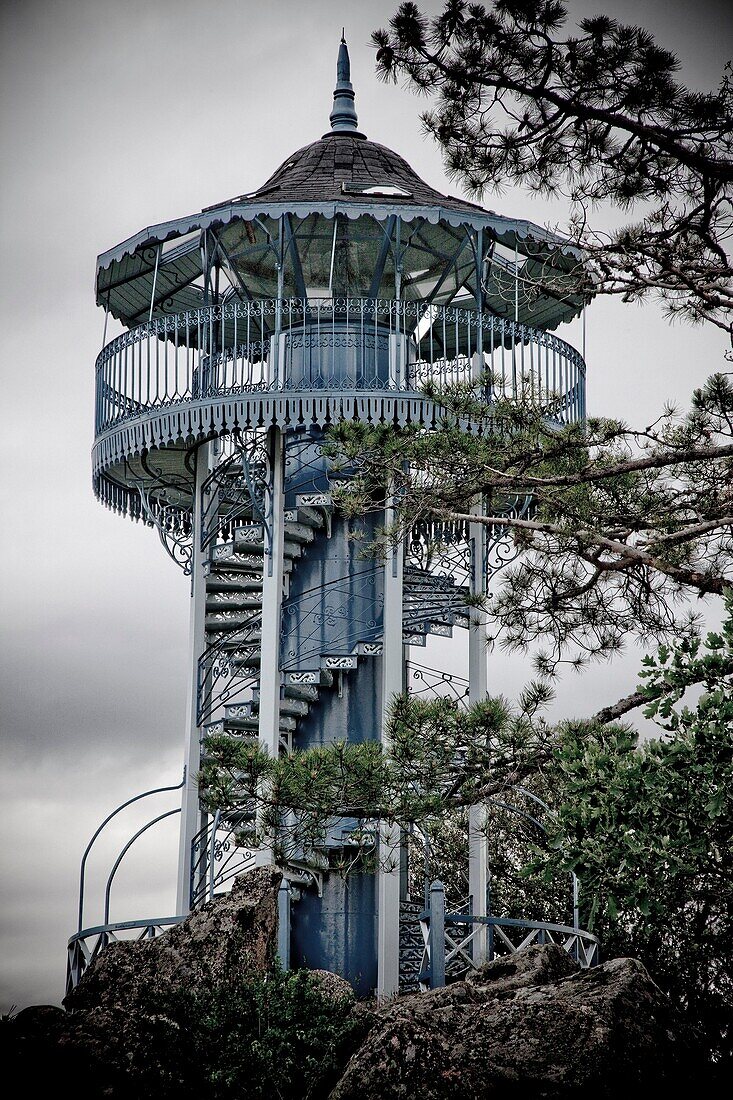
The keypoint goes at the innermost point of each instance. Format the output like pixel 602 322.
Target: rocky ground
pixel 532 1025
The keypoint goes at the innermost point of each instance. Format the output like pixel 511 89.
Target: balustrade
pixel 332 345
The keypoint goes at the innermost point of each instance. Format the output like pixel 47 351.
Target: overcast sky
pixel 116 115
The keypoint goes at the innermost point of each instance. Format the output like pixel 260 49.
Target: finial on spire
pixel 343 115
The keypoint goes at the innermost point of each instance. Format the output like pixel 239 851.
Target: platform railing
pixel 332 345
pixel 217 857
pixel 87 943
pixel 449 938
pixel 85 946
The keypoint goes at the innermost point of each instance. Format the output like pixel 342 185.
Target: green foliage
pixel 278 1036
pixel 649 830
pixel 617 526
pixel 439 757
pixel 594 113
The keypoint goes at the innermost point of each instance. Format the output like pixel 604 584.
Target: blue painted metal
pixel 338 931
pixel 350 286
pixel 442 949
pixel 437 935
pixel 102 826
pixel 283 924
pixel 335 603
pixel 343 116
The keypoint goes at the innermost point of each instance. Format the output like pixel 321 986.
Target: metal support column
pixel 272 596
pixel 192 820
pixel 478 869
pixel 283 924
pixel 437 935
pixel 388 887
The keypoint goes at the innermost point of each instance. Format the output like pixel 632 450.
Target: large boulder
pixel 160 1019
pixel 531 1025
pixel 129 1032
pixel 220 943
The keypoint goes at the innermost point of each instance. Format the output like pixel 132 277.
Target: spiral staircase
pixel 230 665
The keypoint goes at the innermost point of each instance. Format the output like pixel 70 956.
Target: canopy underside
pixel 234 254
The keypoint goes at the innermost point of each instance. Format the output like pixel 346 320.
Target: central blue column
pixel 333 608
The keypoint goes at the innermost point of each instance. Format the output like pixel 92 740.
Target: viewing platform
pixel 177 379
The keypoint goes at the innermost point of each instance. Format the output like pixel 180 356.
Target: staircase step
pixel 246 657
pixel 245 736
pixel 289 708
pixel 219 622
pixel 338 663
pixel 299 532
pixel 368 649
pixel 220 580
pixel 410 637
pixel 246 723
pixel 308 692
pixel 233 601
pixel 313 500
pixel 249 534
pixel 226 559
pixel 321 678
pixel 250 639
pixel 309 517
pixel 294 708
pixel 244 541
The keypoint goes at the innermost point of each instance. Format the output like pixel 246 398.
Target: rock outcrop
pixel 128 1033
pixel 528 1026
pixel 220 943
pixel 162 1018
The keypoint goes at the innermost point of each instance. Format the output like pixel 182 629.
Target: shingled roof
pixel 341 174
pixel 344 167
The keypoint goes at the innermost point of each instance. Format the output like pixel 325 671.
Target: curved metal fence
pixel 332 345
pixel 88 943
pixel 450 948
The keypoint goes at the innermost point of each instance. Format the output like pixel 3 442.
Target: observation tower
pixel 335 291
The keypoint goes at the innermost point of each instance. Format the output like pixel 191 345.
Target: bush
pixel 279 1035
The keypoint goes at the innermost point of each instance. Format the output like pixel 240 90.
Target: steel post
pixel 478 869
pixel 388 888
pixel 437 935
pixel 272 596
pixel 283 924
pixel 192 819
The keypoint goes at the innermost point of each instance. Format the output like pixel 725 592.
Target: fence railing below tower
pixel 87 943
pixel 448 940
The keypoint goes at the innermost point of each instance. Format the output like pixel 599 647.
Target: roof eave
pixel 504 228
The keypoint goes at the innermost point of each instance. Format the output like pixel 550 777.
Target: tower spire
pixel 343 116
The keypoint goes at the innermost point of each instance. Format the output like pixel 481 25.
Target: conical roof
pixel 342 174
pixel 345 167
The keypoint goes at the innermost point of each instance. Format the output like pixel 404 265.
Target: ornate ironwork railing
pixel 448 940
pixel 87 943
pixel 217 857
pixel 335 344
pixel 100 829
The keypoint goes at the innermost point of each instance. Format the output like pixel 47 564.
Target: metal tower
pixel 335 291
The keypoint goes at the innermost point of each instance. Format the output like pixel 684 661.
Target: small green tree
pixel 648 827
pixel 276 1035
